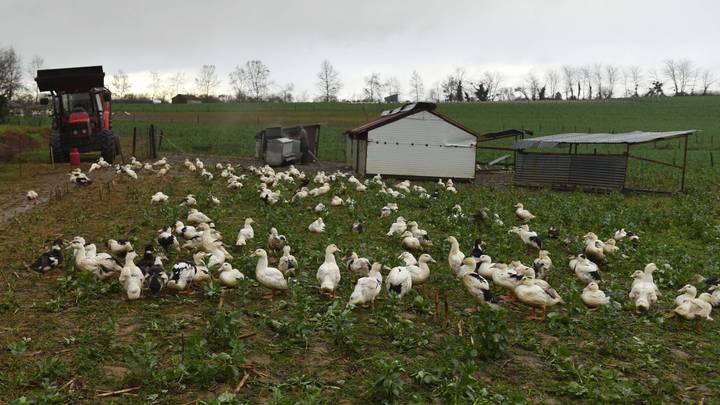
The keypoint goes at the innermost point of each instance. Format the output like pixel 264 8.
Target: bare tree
pixel 120 83
pixel 237 83
pixel 10 73
pixel 329 83
pixel 207 80
pixel 707 79
pixel 532 84
pixel 177 83
pixel 492 81
pixel 569 74
pixel 156 86
pixel 585 74
pixel 35 64
pixel 373 87
pixel 392 86
pixel 597 75
pixel 681 73
pixel 256 76
pixel 417 87
pixel 286 92
pixel 635 77
pixel 611 76
pixel 552 82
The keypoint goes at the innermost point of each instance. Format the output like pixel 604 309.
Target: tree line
pixel 252 81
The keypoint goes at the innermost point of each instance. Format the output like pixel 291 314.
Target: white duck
pixel 399 281
pixel 319 190
pixel 410 242
pixel 268 277
pixel 196 217
pixel 594 248
pixel 287 262
pixel 522 213
pixel 367 288
pixel 319 208
pixel 101 268
pixel 696 309
pixel 328 274
pixel 408 258
pixel 529 238
pixel 186 231
pixel 189 200
pixel 620 234
pixel 358 265
pixel 642 291
pixel 398 227
pixel 336 201
pixel 202 273
pixel 585 269
pixel 131 277
pixel 610 246
pixel 688 292
pixel 467 266
pixel 181 275
pixel 159 197
pixel 543 264
pixel 275 240
pixel 455 257
pixel 228 276
pixel 246 233
pixel 119 247
pixel 506 277
pixel 32 196
pixel 484 266
pixel 536 296
pixel 318 226
pixel 420 273
pixel 479 288
pixel 593 297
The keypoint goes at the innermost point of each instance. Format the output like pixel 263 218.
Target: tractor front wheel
pixel 59 154
pixel 109 147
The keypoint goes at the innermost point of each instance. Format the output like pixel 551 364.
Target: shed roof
pixel 405 111
pixel 629 138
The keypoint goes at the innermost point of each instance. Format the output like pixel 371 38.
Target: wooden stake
pixel 447 318
pixel 242 382
pixel 111 393
pixel 437 305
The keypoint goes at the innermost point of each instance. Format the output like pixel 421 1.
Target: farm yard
pixel 69 338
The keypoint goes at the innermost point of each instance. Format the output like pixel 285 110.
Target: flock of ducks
pixel 480 276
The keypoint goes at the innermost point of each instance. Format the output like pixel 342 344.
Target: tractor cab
pixel 81 111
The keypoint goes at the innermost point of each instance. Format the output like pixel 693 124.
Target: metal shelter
pixel 605 172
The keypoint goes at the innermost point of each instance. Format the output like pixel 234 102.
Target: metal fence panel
pixel 601 172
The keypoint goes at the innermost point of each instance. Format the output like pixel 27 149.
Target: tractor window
pixel 74 101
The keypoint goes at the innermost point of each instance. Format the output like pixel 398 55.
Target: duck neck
pixel 454 247
pixel 329 257
pixel 262 263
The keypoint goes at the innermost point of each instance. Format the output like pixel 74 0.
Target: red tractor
pixel 81 111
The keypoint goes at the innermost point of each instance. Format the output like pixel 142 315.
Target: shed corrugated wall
pixel 421 145
pixel 601 172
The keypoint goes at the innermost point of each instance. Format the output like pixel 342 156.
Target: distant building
pixel 186 99
pixel 393 98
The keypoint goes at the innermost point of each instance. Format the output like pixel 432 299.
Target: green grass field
pixel 230 128
pixel 66 338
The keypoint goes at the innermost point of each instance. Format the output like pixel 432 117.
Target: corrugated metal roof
pixel 405 111
pixel 634 137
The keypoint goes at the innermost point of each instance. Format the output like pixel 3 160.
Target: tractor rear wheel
pixel 59 154
pixel 108 148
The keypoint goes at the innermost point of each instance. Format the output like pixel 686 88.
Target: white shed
pixel 413 141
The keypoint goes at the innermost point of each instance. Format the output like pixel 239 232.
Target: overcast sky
pixel 358 37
